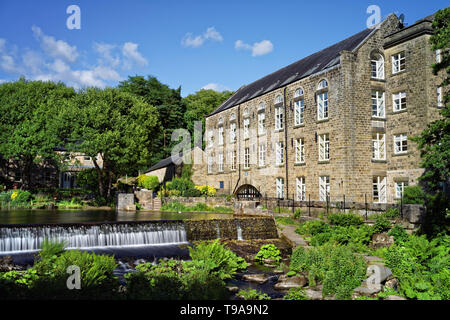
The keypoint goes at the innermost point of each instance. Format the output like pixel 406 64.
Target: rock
pixel 232 289
pixel 394 298
pixel 378 273
pixel 391 283
pixel 277 271
pixel 257 277
pixel 381 240
pixel 314 294
pixel 286 283
pixel 367 291
pixel 7 264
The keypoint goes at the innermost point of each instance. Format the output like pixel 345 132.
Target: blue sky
pixel 188 43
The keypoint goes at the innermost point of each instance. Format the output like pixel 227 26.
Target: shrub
pixel 413 195
pixel 252 294
pixel 392 213
pixel 320 239
pixel 312 227
pixel 345 219
pixel 381 224
pixel 207 190
pixel 268 251
pixel 296 294
pixel 399 234
pixel 193 193
pixel 297 213
pixel 148 182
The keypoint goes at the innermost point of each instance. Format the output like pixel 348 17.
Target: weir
pixel 24 238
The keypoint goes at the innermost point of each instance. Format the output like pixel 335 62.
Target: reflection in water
pixel 79 216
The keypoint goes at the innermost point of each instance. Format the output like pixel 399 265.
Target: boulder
pixel 378 273
pixel 367 290
pixel 256 277
pixel 394 298
pixel 286 283
pixel 314 294
pixel 381 240
pixel 391 283
pixel 232 289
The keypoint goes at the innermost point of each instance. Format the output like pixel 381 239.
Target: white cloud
pixel 107 57
pixel 257 49
pixel 132 55
pixel 210 34
pixel 55 48
pixel 216 87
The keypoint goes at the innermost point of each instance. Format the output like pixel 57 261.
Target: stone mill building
pixel 335 123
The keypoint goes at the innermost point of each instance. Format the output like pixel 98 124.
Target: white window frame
pixel 262 154
pixel 299 112
pixel 221 136
pixel 378 104
pixel 210 138
pixel 324 188
pixel 300 189
pixel 398 62
pixel 438 56
pixel 440 101
pixel 232 132
pixel 232 155
pixel 379 189
pixel 261 123
pixel 279 153
pixel 220 161
pixel 377 68
pixel 322 106
pixel 299 151
pixel 399 101
pixel 279 118
pixel 401 143
pixel 210 164
pixel 246 128
pixel 247 158
pixel 400 188
pixel 379 146
pixel 280 188
pixel 324 147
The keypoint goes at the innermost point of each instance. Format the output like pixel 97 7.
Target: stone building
pixel 332 124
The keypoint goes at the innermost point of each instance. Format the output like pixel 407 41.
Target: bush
pixel 148 182
pixel 296 294
pixel 297 213
pixel 345 219
pixel 268 251
pixel 193 193
pixel 413 195
pixel 312 227
pixel 381 224
pixel 399 234
pixel 392 213
pixel 252 294
pixel 207 190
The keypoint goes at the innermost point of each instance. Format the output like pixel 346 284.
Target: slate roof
pixel 167 162
pixel 305 67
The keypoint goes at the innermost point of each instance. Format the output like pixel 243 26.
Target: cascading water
pixel 17 239
pixel 239 230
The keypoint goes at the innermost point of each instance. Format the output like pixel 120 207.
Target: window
pixel 280 188
pixel 279 153
pixel 279 117
pixel 233 160
pixel 278 99
pixel 377 66
pixel 324 188
pixel 299 151
pixel 232 132
pixel 379 146
pixel 440 102
pixel 247 158
pixel 220 161
pixel 261 123
pixel 324 147
pixel 86 158
pixel 262 154
pixel 398 62
pixel 399 188
pixel 379 189
pixel 246 128
pixel 322 84
pixel 378 104
pixel 210 164
pixel 400 143
pixel 438 56
pixel 322 106
pixel 301 189
pixel 221 185
pixel 220 135
pixel 210 138
pixel 399 101
pixel 299 112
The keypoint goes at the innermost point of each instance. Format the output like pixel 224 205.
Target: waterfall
pixel 14 239
pixel 239 230
pixel 217 230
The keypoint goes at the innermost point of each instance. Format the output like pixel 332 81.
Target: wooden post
pixel 344 203
pixel 365 202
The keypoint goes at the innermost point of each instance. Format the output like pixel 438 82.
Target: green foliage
pixel 180 184
pixel 15 199
pixel 381 224
pixel 392 213
pixel 336 267
pixel 268 251
pixel 399 234
pixel 193 193
pixel 312 227
pixel 148 182
pixel 345 219
pixel 253 294
pixel 198 207
pixel 217 259
pixel 296 294
pixel 413 195
pixel 297 213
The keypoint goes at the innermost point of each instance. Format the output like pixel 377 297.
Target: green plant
pixel 392 213
pixel 297 213
pixel 252 294
pixel 312 227
pixel 192 193
pixel 345 219
pixel 268 252
pixel 399 234
pixel 413 195
pixel 148 182
pixel 381 224
pixel 296 294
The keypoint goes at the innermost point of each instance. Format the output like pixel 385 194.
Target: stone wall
pixel 210 201
pixel 252 228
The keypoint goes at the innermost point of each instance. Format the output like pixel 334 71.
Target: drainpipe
pixel 238 152
pixel 286 144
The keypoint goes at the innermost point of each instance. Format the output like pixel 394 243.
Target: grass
pixel 198 207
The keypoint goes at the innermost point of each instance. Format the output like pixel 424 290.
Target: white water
pixel 239 231
pixel 105 235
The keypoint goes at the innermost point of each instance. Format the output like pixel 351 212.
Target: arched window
pixel 278 99
pixel 246 113
pixel 233 117
pixel 377 66
pixel 322 84
pixel 261 106
pixel 298 93
pixel 298 107
pixel 220 121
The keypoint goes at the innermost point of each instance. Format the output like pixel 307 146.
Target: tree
pixel 201 104
pixel 29 129
pixel 169 105
pixel 117 127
